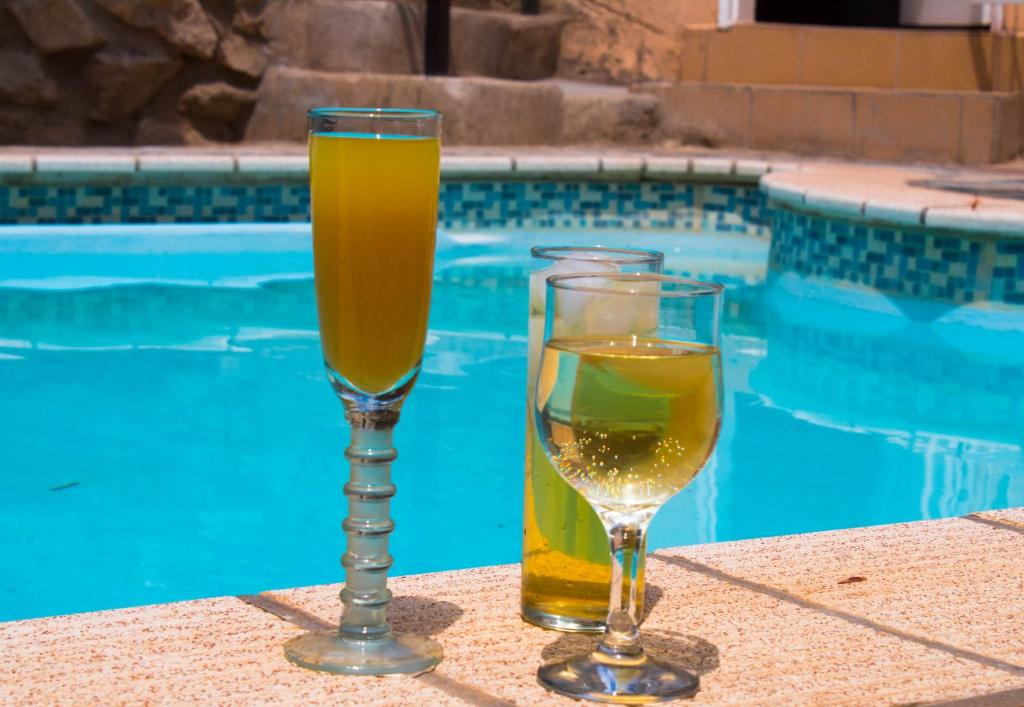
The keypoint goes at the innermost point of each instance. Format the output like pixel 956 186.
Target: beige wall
pixel 1013 18
pixel 871 58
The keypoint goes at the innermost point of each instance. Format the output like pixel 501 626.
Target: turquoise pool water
pixel 167 432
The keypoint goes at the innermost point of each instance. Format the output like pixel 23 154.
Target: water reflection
pixel 196 442
pixel 847 415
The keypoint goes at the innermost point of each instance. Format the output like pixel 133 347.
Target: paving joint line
pixel 310 622
pixel 1014 697
pixel 991 522
pixel 783 595
pixel 282 610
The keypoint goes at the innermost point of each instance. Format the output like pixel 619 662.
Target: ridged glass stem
pixel 621 636
pixel 367 527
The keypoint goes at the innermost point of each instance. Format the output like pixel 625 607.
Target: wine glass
pixel 374 176
pixel 628 407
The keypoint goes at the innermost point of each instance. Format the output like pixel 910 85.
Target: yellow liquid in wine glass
pixel 374 204
pixel 628 422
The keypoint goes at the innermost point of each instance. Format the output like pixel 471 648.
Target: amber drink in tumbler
pixel 566 561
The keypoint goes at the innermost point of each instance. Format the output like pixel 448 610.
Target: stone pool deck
pixel 919 613
pixel 976 200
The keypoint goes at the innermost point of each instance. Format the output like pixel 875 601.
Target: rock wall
pixel 386 37
pixel 121 72
pixel 620 41
pixel 626 41
pixel 166 72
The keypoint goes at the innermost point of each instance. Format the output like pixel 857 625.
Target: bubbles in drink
pixel 628 421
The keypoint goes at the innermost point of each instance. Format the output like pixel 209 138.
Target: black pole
pixel 435 46
pixel 531 7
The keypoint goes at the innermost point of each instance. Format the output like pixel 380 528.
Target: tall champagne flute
pixel 628 407
pixel 374 176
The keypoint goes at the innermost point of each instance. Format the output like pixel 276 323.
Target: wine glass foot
pixel 633 680
pixel 333 653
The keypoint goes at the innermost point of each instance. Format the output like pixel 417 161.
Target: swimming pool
pixel 168 432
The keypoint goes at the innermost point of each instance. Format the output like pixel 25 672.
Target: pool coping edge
pixel 90 166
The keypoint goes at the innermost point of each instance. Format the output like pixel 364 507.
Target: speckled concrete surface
pixel 938 615
pixel 964 569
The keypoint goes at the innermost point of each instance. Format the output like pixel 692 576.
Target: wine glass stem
pixel 367 527
pixel 621 635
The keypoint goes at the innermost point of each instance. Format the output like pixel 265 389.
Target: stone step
pixel 386 37
pixel 477 111
pixel 900 125
pixel 607 114
pixel 905 59
pixel 967 127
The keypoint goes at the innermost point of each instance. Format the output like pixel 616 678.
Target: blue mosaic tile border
pixel 705 208
pixel 686 206
pixel 31 204
pixel 1008 272
pixel 906 262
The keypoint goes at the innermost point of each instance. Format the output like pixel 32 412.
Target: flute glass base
pixel 624 680
pixel 334 653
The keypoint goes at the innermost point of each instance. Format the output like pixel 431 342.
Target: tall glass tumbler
pixel 566 563
pixel 374 175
